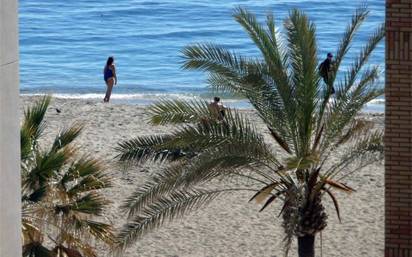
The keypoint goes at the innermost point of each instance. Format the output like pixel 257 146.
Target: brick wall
pixel 398 129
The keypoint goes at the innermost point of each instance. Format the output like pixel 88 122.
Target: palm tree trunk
pixel 306 246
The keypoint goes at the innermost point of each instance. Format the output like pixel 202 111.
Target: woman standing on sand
pixel 109 77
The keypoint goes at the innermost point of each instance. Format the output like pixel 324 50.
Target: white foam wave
pixel 377 101
pixel 147 96
pixel 155 96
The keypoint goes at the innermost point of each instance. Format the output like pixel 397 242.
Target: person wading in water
pixel 110 78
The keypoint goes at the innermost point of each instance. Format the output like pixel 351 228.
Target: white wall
pixel 10 203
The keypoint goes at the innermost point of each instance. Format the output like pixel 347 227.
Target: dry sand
pixel 230 226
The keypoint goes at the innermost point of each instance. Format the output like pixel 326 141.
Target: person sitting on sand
pixel 326 71
pixel 217 109
pixel 109 77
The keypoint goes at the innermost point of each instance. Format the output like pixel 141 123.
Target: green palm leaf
pixel 271 99
pixel 66 136
pixel 83 176
pixel 267 43
pixel 33 117
pixel 176 205
pixel 91 203
pixel 368 148
pixel 361 60
pixel 26 146
pixel 59 192
pixel 302 50
pixel 357 19
pixel 212 58
pixel 144 148
pixel 177 111
pixel 346 106
pixel 284 87
pixel 46 165
pixel 235 129
pixel 224 162
pixel 36 249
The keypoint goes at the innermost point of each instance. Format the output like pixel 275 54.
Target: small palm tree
pixel 61 202
pixel 305 121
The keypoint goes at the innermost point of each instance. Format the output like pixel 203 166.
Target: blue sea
pixel 64 44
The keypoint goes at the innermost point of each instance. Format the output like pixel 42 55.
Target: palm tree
pixel 61 200
pixel 306 122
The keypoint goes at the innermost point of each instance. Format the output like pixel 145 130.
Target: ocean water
pixel 64 44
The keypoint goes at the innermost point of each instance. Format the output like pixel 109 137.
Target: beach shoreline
pixel 376 106
pixel 229 226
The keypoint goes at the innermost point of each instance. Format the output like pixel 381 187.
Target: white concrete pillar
pixel 10 200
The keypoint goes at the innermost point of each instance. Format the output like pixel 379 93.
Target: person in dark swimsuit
pixel 326 72
pixel 110 77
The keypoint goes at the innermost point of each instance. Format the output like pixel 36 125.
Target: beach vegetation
pixel 62 203
pixel 303 118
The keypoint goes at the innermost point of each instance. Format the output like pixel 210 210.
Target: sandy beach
pixel 230 226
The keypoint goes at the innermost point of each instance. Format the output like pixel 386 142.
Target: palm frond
pixel 228 72
pixel 220 83
pixel 59 192
pixel 33 117
pixel 94 182
pixel 357 19
pixel 347 105
pixel 283 85
pixel 161 183
pixel 271 199
pixel 62 251
pixel 192 139
pixel 144 148
pixel 85 167
pixel 267 43
pixel 91 203
pixel 36 249
pixel 214 163
pixel 101 231
pixel 30 232
pixel 340 119
pixel 212 58
pixel 235 128
pixel 272 99
pixel 46 166
pixel 224 161
pixel 176 205
pixel 215 59
pixel 178 111
pixel 263 193
pixel 281 142
pixel 335 202
pixel 274 106
pixel 25 145
pixel 35 195
pixel 303 57
pixel 66 136
pixel 265 85
pixel 98 230
pixel 368 147
pixel 361 60
pixel 77 245
pixel 357 128
pixel 84 175
pixel 337 185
